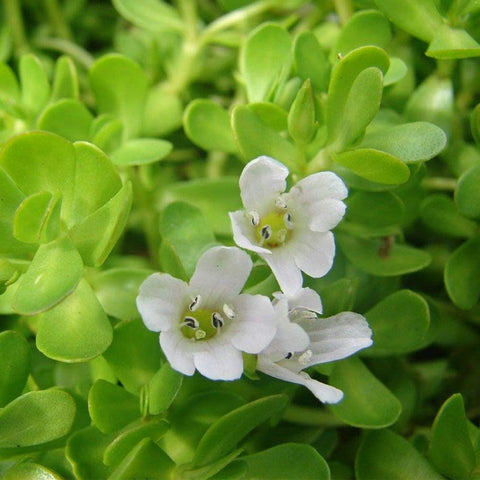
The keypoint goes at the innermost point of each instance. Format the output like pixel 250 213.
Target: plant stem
pixel 314 417
pixel 64 46
pixel 320 162
pixel 344 9
pixel 57 21
pixel 14 17
pixel 440 183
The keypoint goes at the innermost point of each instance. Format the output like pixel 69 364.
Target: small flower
pixel 289 230
pixel 207 324
pixel 304 340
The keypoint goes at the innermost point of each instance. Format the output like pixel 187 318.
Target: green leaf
pixel 451 43
pixel 14 365
pixel 451 450
pixel 35 85
pixel 467 194
pixel 461 274
pixel 361 107
pixel 255 138
pixel 384 454
pixel 204 193
pixel 396 72
pixel 162 389
pixel 399 324
pixel 134 355
pixel 37 219
pixel 117 290
pixel 141 151
pixel 265 60
pixel 30 471
pixel 475 124
pixel 111 407
pixel 36 418
pixel 40 161
pixel 9 88
pixel 210 470
pixel 271 115
pixel 288 460
pixel 188 232
pixel 65 79
pixel 380 258
pixel 343 76
pixel 98 233
pixel 367 27
pixel 374 209
pixel 96 182
pixel 374 165
pixel 53 274
pixel 146 460
pixel 301 117
pixel 163 112
pixel 53 119
pixel 367 402
pixel 123 443
pixel 410 142
pixel 76 330
pixel 439 213
pixel 207 125
pixel 107 132
pixel 120 88
pixel 151 15
pixel 310 60
pixel 85 452
pixel 420 19
pixel 224 434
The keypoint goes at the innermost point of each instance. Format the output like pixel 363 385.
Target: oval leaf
pixel 467 193
pixel 141 151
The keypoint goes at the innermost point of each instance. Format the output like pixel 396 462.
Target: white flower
pixel 207 324
pixel 289 230
pixel 304 340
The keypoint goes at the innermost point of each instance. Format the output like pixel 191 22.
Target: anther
pixel 282 235
pixel 254 217
pixel 305 357
pixel 287 219
pixel 191 322
pixel 199 334
pixel 289 355
pixel 280 203
pixel 228 311
pixel 266 232
pixel 299 314
pixel 217 320
pixel 195 304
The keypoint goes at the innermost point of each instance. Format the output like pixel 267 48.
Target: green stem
pixel 440 183
pixel 344 9
pixel 69 48
pixel 14 17
pixel 57 20
pixel 320 162
pixel 308 416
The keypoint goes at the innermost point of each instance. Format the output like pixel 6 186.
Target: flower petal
pixel 290 337
pixel 178 350
pixel 306 298
pixel 220 275
pixel 161 301
pixel 253 327
pixel 326 214
pixel 336 337
pixel 314 252
pixel 325 393
pixel 261 182
pixel 286 271
pixel 219 361
pixel 319 186
pixel 244 234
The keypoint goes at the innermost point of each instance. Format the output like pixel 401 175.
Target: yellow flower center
pixel 201 324
pixel 274 229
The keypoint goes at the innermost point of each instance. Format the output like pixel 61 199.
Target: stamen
pixel 280 203
pixel 195 304
pixel 217 320
pixel 305 357
pixel 254 217
pixel 199 334
pixel 191 322
pixel 289 355
pixel 228 311
pixel 282 235
pixel 287 219
pixel 299 314
pixel 266 232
